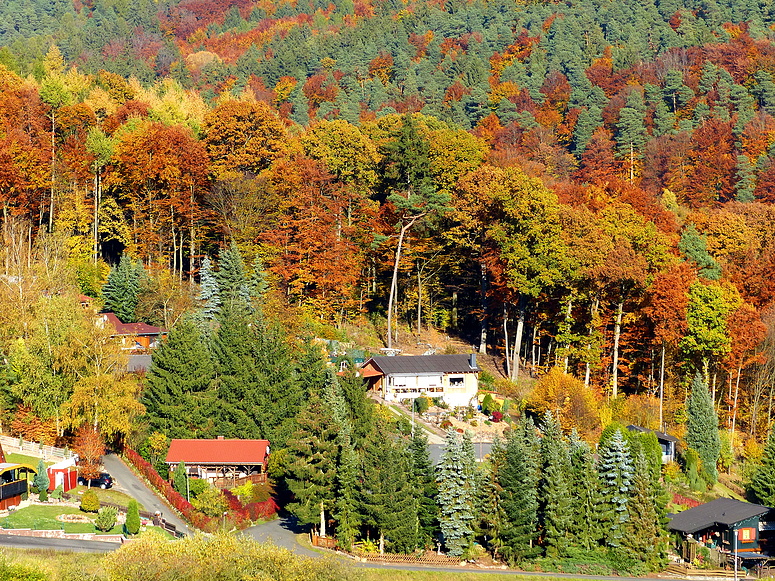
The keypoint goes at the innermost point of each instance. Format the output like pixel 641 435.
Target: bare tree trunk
pixel 734 401
pixel 588 366
pixel 322 520
pixel 568 312
pixel 419 301
pixel 662 387
pixel 394 282
pixel 506 338
pixel 483 329
pixel 53 159
pixel 617 334
pixel 518 340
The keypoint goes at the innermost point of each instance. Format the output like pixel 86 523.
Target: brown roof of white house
pixel 425 364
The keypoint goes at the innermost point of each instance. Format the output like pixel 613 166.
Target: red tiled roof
pixel 219 451
pixel 132 328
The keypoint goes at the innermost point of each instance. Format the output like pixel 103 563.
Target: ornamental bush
pixel 106 519
pixel 132 524
pixel 90 502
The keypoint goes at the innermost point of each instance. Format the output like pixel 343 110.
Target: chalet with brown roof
pixel 224 462
pixel 133 336
pixel 454 378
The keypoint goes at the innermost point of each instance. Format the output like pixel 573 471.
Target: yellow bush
pixel 574 404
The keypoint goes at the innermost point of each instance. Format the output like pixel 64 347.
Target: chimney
pixel 220 437
pixel 472 360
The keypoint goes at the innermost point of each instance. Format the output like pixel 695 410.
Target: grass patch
pixel 369 574
pixel 16 458
pixel 41 517
pixel 110 495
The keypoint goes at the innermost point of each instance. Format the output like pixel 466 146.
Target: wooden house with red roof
pixel 224 462
pixel 134 336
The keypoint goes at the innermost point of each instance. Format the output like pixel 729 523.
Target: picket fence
pixel 11 444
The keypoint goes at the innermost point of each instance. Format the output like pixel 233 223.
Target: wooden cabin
pixel 728 525
pixel 224 462
pixel 14 481
pixel 133 336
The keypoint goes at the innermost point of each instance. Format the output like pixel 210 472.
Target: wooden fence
pixel 11 444
pixel 229 483
pixel 687 572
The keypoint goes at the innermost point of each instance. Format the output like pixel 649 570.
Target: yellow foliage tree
pixel 575 405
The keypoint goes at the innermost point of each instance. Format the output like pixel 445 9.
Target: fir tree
pixel 693 245
pixel 644 537
pixel 616 474
pixel 311 474
pixel 555 508
pixel 387 494
pixel 178 395
pixel 519 497
pixel 424 484
pixel 455 500
pixel 763 481
pixel 586 494
pixel 209 292
pixel 238 378
pixel 348 518
pixel 122 289
pixel 702 428
pixel 132 524
pixel 41 480
pixel 232 281
pixel 180 479
pixel 259 285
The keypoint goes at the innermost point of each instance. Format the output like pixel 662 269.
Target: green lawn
pixel 109 495
pixel 44 518
pixel 24 459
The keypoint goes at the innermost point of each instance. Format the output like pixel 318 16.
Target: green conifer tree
pixel 555 504
pixel 455 500
pixel 179 394
pixel 702 428
pixel 41 480
pixel 232 280
pixel 424 484
pixel 132 517
pixel 644 537
pixel 121 292
pixel 586 494
pixel 180 479
pixel 616 474
pixel 311 474
pixel 519 497
pixel 694 247
pixel 348 518
pixel 209 291
pixel 762 483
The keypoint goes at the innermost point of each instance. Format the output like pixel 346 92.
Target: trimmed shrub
pixel 421 404
pixel 90 502
pixel 43 495
pixel 197 486
pixel 132 524
pixel 106 519
pixel 58 492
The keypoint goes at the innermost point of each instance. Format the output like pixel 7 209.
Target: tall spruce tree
pixel 455 499
pixel 644 537
pixel 702 428
pixel 240 407
pixel 232 280
pixel 424 484
pixel 555 499
pixel 209 292
pixel 311 474
pixel 387 493
pixel 179 395
pixel 586 494
pixel 763 481
pixel 616 475
pixel 519 497
pixel 122 289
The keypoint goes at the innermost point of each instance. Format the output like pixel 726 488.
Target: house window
pixel 456 381
pixel 746 535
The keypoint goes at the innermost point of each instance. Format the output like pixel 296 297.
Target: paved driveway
pixel 282 532
pixel 126 481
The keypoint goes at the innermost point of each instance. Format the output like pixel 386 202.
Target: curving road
pixel 127 482
pixel 67 545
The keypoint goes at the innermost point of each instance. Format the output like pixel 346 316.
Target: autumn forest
pixel 587 185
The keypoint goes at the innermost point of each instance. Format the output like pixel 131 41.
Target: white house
pixel 455 378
